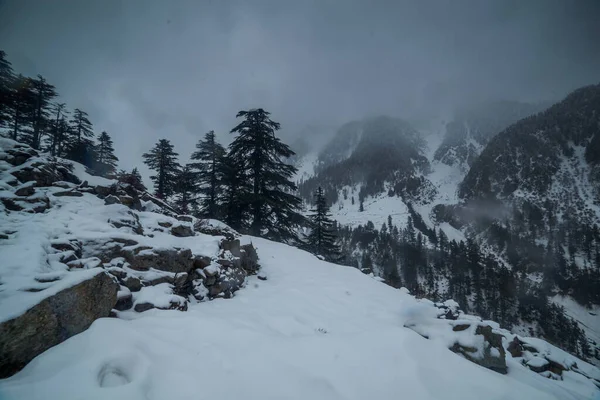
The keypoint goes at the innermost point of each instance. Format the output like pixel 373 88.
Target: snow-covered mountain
pixel 522 188
pixel 78 249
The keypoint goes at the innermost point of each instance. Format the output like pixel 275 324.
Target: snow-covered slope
pixel 313 330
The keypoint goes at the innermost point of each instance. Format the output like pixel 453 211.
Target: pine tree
pixel 208 167
pixel 6 81
pixel 20 106
pixel 43 93
pixel 274 209
pixel 361 207
pixel 236 189
pixel 322 238
pixel 57 131
pixel 185 189
pixel 163 160
pixel 106 161
pixel 81 147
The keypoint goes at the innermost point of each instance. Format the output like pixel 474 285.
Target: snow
pixel 313 330
pixel 27 256
pixel 588 318
pixel 376 209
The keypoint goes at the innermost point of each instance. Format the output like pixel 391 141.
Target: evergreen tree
pixel 106 161
pixel 57 131
pixel 361 207
pixel 81 147
pixel 322 238
pixel 208 166
pixel 6 81
pixel 236 189
pixel 273 207
pixel 163 160
pixel 185 189
pixel 43 93
pixel 20 106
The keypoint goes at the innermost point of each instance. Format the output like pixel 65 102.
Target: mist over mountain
pixel 315 199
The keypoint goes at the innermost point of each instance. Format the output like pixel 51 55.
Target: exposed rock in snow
pixel 54 320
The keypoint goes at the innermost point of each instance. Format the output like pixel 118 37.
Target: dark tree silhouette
pixel 273 207
pixel 163 160
pixel 208 168
pixel 322 238
pixel 106 161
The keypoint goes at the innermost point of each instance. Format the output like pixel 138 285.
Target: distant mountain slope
pixel 530 155
pixel 472 128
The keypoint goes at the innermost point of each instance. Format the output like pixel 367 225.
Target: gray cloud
pixel 151 69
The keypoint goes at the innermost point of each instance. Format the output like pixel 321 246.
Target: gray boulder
pixel 182 230
pixel 54 320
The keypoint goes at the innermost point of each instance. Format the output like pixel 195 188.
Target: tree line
pixel 31 112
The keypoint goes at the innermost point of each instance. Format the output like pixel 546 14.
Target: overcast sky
pixel 147 69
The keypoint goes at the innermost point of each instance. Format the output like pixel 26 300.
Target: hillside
pixel 105 294
pixel 511 234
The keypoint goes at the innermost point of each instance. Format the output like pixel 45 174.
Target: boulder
pixel 124 300
pixel 45 173
pixel 104 191
pixel 493 355
pixel 68 193
pixel 232 245
pixel 165 224
pixel 133 283
pixel 182 230
pixel 110 199
pixel 201 262
pixel 54 320
pixel 170 260
pixel 249 258
pixel 141 307
pixel 26 189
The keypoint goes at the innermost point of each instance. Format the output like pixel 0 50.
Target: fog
pixel 145 70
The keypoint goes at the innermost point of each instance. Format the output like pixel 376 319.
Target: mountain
pixel 107 292
pixel 472 127
pixel 497 209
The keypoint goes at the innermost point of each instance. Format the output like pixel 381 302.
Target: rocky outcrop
pixel 54 320
pixel 491 355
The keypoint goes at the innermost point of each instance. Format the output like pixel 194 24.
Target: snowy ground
pixel 313 330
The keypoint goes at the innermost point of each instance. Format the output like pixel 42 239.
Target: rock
pixel 249 258
pixel 132 222
pixel 262 277
pixel 141 307
pixel 132 283
pixel 180 279
pixel 117 273
pixel 182 231
pixel 538 364
pixel 232 245
pixel 170 260
pixel 201 262
pixel 45 173
pixel 110 199
pixel 461 327
pixel 26 189
pixel 104 191
pixel 202 226
pixel 54 320
pixel 124 301
pixel 3 236
pixel 131 202
pixel 185 218
pixel 515 347
pixel 67 193
pixel 165 224
pixel 72 245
